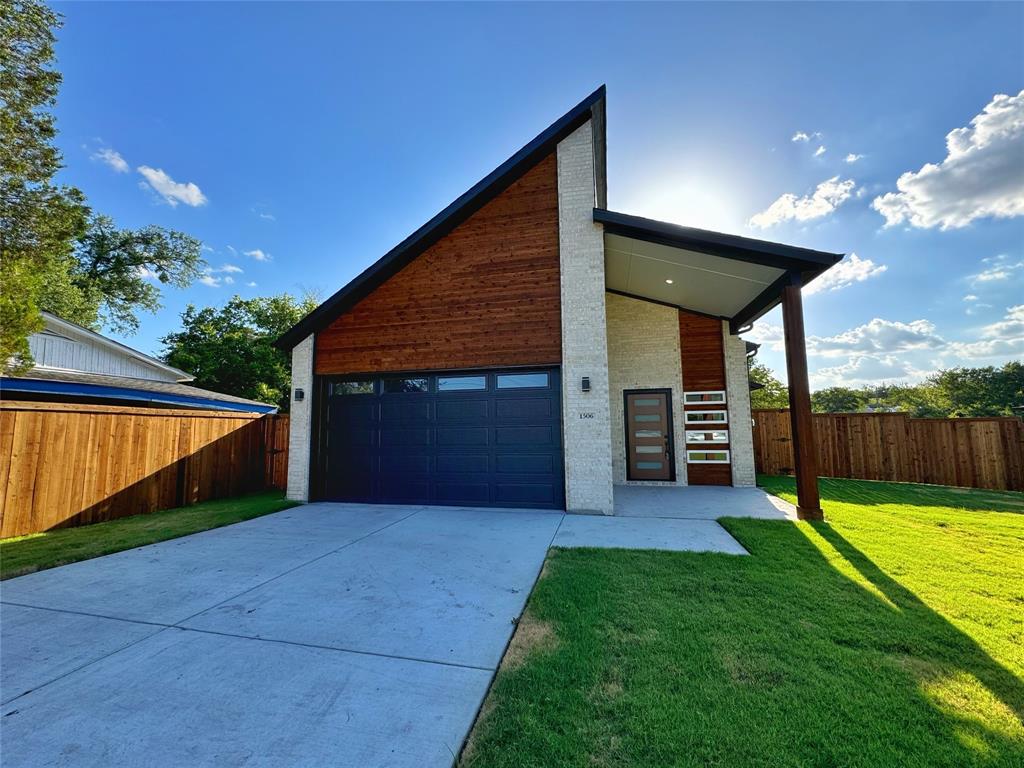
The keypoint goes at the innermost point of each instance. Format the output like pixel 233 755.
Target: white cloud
pixel 970 297
pixel 850 270
pixel 853 158
pixel 801 136
pixel 112 158
pixel 1000 270
pixel 171 191
pixel 229 280
pixel 210 280
pixel 820 151
pixel 982 174
pixel 229 268
pixel 251 284
pixel 867 369
pixel 263 213
pixel 878 336
pixel 145 272
pixel 1002 338
pixel 767 334
pixel 827 196
pixel 257 254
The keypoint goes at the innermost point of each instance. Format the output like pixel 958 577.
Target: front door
pixel 649 435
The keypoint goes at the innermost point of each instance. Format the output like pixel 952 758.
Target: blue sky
pixel 300 142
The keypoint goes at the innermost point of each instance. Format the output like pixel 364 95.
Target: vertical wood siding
pixel 703 360
pixel 485 295
pixel 972 453
pixel 67 465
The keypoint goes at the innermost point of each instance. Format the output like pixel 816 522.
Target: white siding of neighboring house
pixel 68 350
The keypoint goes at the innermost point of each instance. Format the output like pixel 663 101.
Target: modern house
pixel 76 365
pixel 528 347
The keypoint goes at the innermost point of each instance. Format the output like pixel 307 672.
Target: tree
pixel 108 277
pixel 838 400
pixel 39 220
pixel 986 391
pixel 53 254
pixel 772 394
pixel 230 349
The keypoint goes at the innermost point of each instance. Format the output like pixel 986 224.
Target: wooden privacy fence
pixel 68 464
pixel 973 453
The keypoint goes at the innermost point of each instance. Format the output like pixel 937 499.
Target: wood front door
pixel 649 435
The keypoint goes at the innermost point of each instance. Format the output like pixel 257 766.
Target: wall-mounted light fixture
pixel 300 395
pixel 585 384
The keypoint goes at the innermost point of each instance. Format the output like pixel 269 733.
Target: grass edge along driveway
pixel 38 551
pixel 889 636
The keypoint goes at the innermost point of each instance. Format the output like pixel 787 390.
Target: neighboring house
pixel 527 347
pixel 74 364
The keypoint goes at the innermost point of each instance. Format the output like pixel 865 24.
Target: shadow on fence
pixel 65 465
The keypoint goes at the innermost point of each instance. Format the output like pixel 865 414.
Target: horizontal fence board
pixel 64 465
pixel 972 453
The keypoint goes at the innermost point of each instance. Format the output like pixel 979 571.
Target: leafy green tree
pixel 837 400
pixel 109 276
pixel 772 394
pixel 230 349
pixel 39 220
pixel 53 254
pixel 988 391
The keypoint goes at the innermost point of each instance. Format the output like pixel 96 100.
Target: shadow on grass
pixel 959 652
pixel 784 658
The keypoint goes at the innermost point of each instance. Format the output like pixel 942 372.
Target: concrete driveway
pixel 322 635
pixel 327 634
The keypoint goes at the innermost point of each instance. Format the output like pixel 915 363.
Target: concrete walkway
pixel 326 634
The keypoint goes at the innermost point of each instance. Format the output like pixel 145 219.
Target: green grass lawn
pixel 37 551
pixel 892 635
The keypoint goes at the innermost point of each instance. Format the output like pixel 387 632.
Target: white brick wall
pixel 741 433
pixel 643 353
pixel 585 415
pixel 301 415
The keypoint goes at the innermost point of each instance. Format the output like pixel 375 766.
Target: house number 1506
pixel 586 414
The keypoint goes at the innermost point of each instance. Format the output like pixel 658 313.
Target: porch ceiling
pixel 710 284
pixel 735 278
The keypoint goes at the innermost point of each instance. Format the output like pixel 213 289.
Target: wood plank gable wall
pixel 703 360
pixel 486 295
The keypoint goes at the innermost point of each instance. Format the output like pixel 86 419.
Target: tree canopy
pixel 54 254
pixel 229 349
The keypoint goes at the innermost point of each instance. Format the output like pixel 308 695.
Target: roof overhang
pixel 730 277
pixel 497 181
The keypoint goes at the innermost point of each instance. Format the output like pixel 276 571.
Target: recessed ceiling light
pixel 668 281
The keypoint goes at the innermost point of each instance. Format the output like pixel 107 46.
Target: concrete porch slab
pixel 700 502
pixel 646 533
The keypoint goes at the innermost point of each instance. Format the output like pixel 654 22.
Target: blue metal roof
pixel 73 389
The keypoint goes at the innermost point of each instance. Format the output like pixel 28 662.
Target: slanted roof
pixel 497 181
pixel 725 276
pixel 78 386
pixel 54 322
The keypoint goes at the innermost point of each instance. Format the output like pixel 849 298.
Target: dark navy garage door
pixel 463 438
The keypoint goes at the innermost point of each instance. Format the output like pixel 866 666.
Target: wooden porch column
pixel 804 451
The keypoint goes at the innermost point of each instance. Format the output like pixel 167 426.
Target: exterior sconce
pixel 585 384
pixel 300 395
